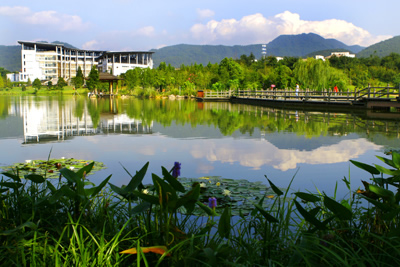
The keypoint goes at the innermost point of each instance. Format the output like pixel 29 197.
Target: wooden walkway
pixel 382 98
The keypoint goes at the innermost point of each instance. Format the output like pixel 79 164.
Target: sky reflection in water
pixel 232 141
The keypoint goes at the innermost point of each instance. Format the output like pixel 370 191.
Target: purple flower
pixel 212 202
pixel 176 170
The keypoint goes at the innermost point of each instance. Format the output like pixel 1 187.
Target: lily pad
pixel 238 194
pixel 50 168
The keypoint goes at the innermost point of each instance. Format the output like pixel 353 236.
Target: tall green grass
pixel 72 222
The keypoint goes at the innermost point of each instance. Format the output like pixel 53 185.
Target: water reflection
pixel 208 133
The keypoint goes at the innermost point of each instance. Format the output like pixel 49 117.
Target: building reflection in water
pixel 48 120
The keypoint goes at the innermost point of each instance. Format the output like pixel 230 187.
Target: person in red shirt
pixel 335 89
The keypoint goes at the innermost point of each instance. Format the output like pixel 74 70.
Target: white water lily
pixel 145 191
pixel 226 193
pixel 72 168
pixel 28 161
pixel 203 185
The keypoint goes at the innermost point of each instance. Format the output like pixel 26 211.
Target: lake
pixel 209 139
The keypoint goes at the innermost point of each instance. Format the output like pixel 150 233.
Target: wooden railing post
pixel 388 93
pixel 369 90
pixel 348 95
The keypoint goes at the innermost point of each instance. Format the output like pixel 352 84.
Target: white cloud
pixel 148 31
pixel 256 28
pixel 46 18
pixel 204 13
pixel 90 45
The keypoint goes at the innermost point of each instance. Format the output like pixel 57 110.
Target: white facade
pixel 13 77
pixel 47 61
pixel 120 62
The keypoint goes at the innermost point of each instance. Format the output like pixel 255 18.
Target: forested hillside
pixel 283 46
pixel 10 57
pixel 382 49
pixel 176 55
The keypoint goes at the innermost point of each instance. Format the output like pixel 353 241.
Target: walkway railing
pixel 382 93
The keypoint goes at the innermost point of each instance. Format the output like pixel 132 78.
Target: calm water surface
pixel 209 139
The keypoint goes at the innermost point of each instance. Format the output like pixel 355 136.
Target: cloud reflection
pixel 255 154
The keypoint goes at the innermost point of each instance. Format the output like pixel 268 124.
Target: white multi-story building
pixel 48 61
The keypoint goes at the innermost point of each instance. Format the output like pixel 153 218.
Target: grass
pixel 71 222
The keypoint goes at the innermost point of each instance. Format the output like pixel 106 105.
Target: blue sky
pixel 143 25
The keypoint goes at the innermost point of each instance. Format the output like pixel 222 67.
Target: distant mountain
pixel 67 45
pixel 10 57
pixel 383 48
pixel 302 44
pixel 285 45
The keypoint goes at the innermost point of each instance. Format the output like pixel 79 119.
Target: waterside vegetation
pixel 243 73
pixel 74 222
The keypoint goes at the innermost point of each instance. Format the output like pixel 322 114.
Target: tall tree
pixel 93 79
pixel 78 79
pixel 1 82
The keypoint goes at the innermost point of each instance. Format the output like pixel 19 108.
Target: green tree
pixel 49 85
pixel 229 70
pixel 1 82
pixel 37 84
pixel 29 82
pixel 61 83
pixel 93 79
pixel 78 80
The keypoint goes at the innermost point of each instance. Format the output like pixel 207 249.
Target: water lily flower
pixel 145 191
pixel 28 161
pixel 270 196
pixel 72 168
pixel 176 170
pixel 218 184
pixel 212 202
pixel 203 185
pixel 226 193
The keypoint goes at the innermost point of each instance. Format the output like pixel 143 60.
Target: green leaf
pixel 309 217
pixel 172 181
pixel 137 179
pixel 387 171
pixel 85 170
pixel 70 175
pixel 338 209
pixel 396 159
pixel 12 176
pixel 22 226
pixel 274 188
pixel 142 207
pixel 95 190
pixel 371 169
pixel 224 224
pixel 11 185
pixel 207 209
pixel 307 197
pixel 382 192
pixel 146 197
pixel 267 216
pixel 38 179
